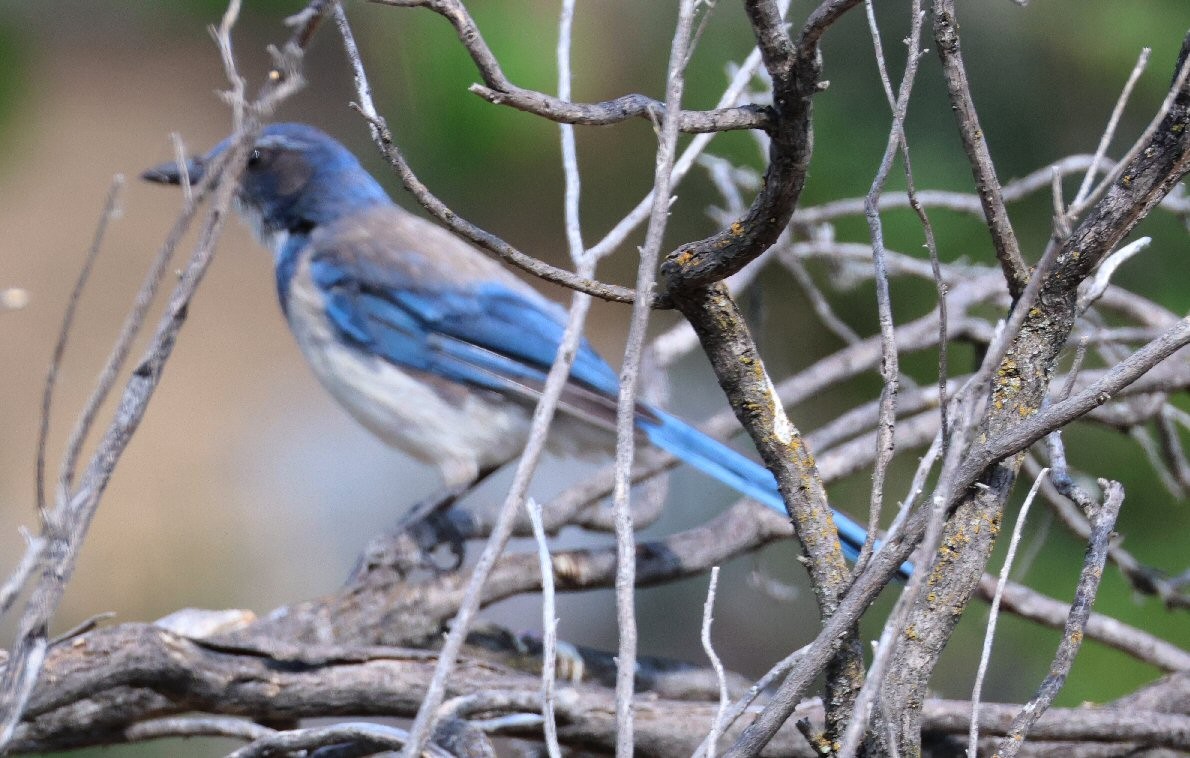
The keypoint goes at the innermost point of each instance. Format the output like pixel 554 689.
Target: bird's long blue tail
pixel 739 472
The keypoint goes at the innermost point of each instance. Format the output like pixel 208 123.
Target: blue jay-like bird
pixel 428 342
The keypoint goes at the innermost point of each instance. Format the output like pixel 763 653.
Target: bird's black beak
pixel 171 173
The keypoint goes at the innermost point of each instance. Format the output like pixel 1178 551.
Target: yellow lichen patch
pixel 911 632
pixel 684 257
pixel 737 228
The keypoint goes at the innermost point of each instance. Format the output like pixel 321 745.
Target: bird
pixel 432 345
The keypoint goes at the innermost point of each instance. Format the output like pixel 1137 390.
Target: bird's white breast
pixel 460 432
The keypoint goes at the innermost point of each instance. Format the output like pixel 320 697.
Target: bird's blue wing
pixel 488 335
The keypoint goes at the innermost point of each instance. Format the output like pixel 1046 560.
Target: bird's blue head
pixel 297 178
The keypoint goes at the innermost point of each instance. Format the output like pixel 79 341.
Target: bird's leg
pixel 428 525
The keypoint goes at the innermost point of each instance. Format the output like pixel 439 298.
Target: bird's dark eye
pixel 255 159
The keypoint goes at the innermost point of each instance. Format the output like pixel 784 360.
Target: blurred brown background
pixel 247 487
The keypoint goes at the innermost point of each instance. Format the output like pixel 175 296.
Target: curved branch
pixel 795 72
pixel 498 90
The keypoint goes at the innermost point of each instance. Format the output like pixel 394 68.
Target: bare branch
pixel 1103 521
pixel 1085 187
pixel 629 374
pixel 499 90
pixel 549 625
pixel 795 72
pixel 111 209
pixel 719 722
pixel 196 726
pixel 994 613
pixel 1034 606
pixel 141 673
pixel 373 737
pixel 987 184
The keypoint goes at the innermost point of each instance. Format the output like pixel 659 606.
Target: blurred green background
pixel 247 487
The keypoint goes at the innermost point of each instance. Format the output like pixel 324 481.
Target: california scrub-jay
pixel 428 342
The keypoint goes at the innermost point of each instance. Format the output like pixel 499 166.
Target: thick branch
pixel 105 683
pixel 1019 387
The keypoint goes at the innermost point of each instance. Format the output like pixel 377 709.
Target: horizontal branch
pixel 623 108
pixel 499 90
pixel 105 683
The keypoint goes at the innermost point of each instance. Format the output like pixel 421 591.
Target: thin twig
pixel 1084 188
pixel 1141 143
pixel 34 548
pixel 994 614
pixel 573 185
pixel 483 239
pixel 549 615
pixel 889 363
pixel 1171 444
pixel 1029 604
pixel 549 634
pixel 180 160
pixel 1094 288
pixel 959 202
pixel 235 97
pixel 774 674
pixel 708 609
pixel 1103 522
pixel 196 726
pixel 629 373
pixel 1143 578
pixel 818 301
pixel 376 737
pixel 111 209
pixel 499 90
pixel 1008 251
